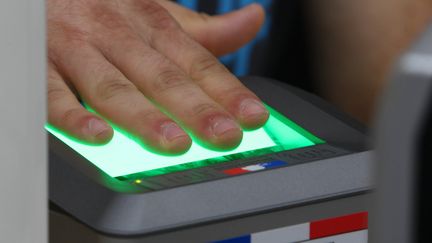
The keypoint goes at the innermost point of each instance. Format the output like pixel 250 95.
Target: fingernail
pixel 97 127
pixel 252 108
pixel 223 125
pixel 172 131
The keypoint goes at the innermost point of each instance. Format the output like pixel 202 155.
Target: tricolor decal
pixel 340 225
pixel 352 227
pixel 257 167
pixel 240 239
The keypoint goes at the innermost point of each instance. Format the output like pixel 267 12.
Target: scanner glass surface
pixel 123 156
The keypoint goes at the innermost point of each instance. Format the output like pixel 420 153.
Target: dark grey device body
pixel 335 175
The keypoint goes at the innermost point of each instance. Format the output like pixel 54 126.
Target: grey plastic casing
pixel 99 201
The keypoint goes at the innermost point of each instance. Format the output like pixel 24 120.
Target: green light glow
pixel 122 156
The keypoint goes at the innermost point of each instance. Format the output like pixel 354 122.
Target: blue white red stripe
pixel 256 167
pixel 350 228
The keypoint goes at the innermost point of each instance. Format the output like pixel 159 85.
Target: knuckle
pixel 62 31
pixel 202 109
pixel 109 89
pixel 233 93
pixel 163 21
pixel 148 115
pixel 204 16
pixel 205 65
pixel 168 80
pixel 108 17
pixel 70 115
pixel 55 94
pixel 159 16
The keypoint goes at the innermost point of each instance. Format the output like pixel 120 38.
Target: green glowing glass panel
pixel 123 157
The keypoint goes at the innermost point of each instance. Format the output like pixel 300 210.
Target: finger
pixel 106 90
pixel 168 86
pixel 220 34
pixel 215 80
pixel 210 75
pixel 68 115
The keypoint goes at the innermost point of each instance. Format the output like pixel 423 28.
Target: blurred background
pixel 341 50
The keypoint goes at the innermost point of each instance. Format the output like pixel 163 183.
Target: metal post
pixel 23 161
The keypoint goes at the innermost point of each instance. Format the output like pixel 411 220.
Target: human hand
pixel 145 66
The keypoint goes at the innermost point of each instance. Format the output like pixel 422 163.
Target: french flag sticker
pixel 344 229
pixel 257 167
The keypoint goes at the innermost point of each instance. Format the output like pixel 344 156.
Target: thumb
pixel 220 34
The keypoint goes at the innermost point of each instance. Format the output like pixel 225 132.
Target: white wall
pixel 23 176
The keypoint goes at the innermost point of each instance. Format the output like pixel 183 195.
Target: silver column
pixel 23 161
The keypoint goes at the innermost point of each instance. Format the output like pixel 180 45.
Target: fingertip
pixel 229 140
pixel 252 114
pixel 226 33
pixel 175 140
pixel 257 10
pixel 255 122
pixel 226 134
pixel 98 131
pixel 251 17
pixel 82 126
pixel 104 137
pixel 178 146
